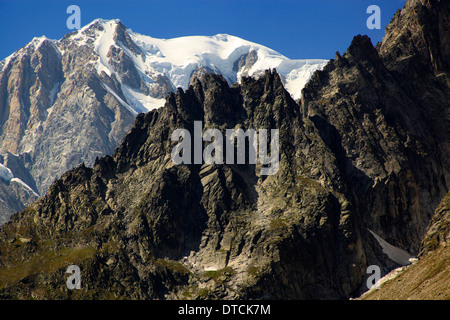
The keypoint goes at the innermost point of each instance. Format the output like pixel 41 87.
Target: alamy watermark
pixel 214 152
pixel 74 20
pixel 74 281
pixel 373 279
pixel 374 21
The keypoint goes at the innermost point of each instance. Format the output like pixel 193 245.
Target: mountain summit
pixel 363 167
pixel 69 101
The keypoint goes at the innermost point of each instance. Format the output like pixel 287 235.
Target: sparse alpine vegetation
pixel 364 148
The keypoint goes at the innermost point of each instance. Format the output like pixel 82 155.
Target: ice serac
pixel 358 153
pixel 69 101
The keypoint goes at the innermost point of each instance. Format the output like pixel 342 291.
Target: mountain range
pixel 69 101
pixel 363 180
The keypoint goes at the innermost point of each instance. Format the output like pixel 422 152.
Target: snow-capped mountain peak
pixel 149 68
pixel 73 99
pixel 162 65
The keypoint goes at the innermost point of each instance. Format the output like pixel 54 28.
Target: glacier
pixel 178 58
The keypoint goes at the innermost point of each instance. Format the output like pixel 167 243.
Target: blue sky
pixel 295 28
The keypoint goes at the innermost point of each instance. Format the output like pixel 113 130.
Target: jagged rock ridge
pixel 361 151
pixel 68 101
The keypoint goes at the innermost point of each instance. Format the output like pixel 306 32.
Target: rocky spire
pixel 358 153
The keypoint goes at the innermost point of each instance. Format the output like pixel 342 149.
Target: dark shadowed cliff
pixel 366 148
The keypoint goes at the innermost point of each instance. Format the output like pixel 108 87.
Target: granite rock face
pixel 362 150
pixel 69 101
pixel 56 111
pixel 211 231
pixel 387 111
pixel 438 230
pixel 429 277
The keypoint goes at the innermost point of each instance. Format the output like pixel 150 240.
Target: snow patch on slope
pixel 139 101
pixel 24 186
pixel 394 253
pixel 126 105
pixel 5 173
